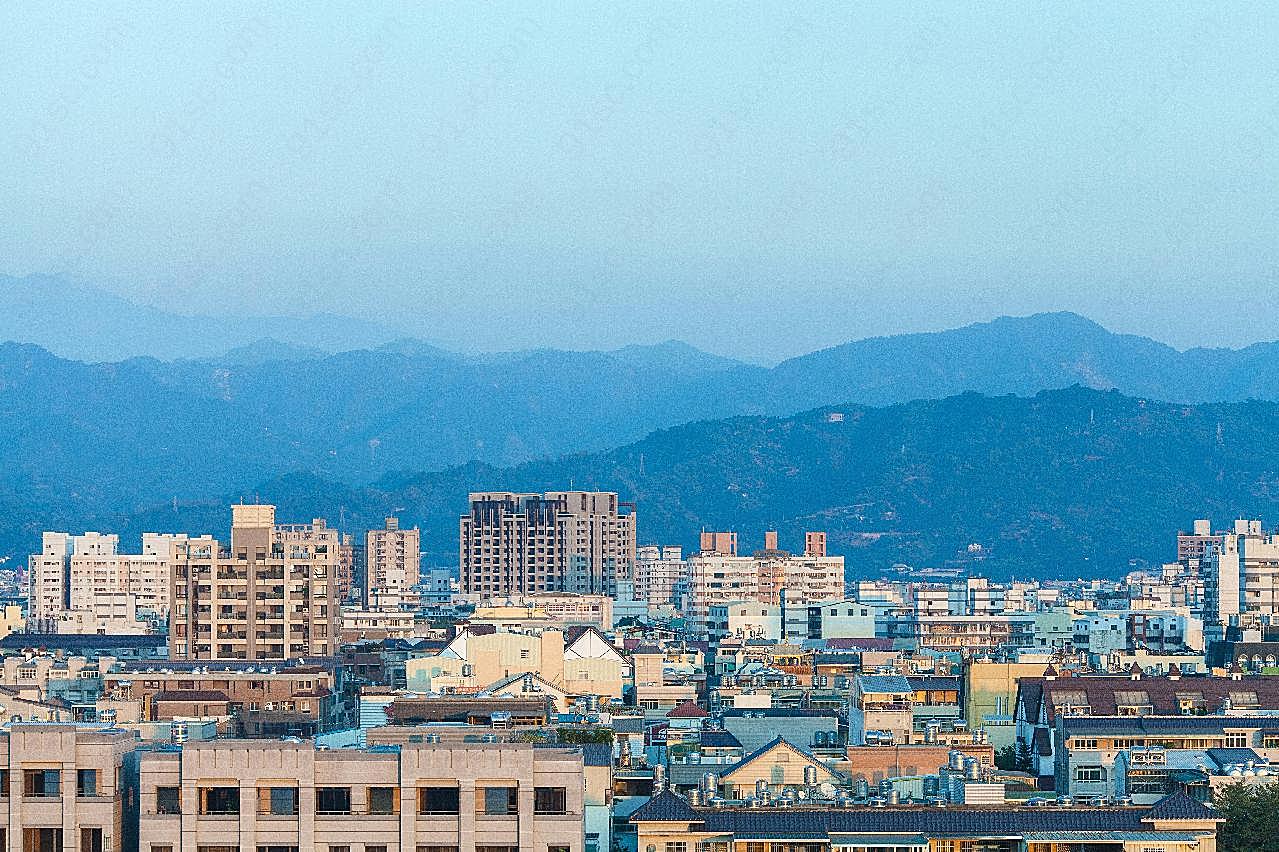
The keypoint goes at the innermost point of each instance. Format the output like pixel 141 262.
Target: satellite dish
pixel 827 790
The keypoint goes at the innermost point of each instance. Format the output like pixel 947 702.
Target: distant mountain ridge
pixel 106 440
pixel 1073 482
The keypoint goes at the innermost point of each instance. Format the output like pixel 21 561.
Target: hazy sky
pixel 758 179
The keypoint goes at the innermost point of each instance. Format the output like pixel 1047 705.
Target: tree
pixel 1024 761
pixel 1006 759
pixel 1251 817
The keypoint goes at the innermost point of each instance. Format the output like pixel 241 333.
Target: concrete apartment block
pixel 285 796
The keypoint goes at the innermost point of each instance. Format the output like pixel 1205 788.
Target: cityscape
pixel 649 427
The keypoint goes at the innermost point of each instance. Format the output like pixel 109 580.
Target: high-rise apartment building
pixel 560 541
pixel 661 575
pixel 270 595
pixel 393 560
pixel 76 573
pixel 1241 575
pixel 717 576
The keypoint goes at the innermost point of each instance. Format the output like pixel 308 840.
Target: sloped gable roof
pixel 765 750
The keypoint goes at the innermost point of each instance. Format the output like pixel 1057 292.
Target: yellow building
pixel 11 621
pixel 990 693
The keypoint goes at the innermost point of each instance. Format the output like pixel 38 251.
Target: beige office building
pixel 560 541
pixel 281 796
pixel 270 595
pixel 62 788
pixel 393 560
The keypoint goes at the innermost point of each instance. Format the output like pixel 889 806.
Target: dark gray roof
pixel 719 739
pixel 801 824
pixel 76 641
pixel 1180 806
pixel 1223 757
pixel 597 754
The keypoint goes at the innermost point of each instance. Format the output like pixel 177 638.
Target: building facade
pixel 270 595
pixel 291 796
pixel 393 559
pixel 560 541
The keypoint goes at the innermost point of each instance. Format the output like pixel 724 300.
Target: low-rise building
pixel 62 787
pixel 467 797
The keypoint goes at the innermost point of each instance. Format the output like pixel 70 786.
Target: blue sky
pixel 758 179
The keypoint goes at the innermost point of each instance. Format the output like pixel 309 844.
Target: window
pixel 168 800
pixel 1090 773
pixel 557 849
pixel 42 840
pixel 550 800
pixel 220 801
pixel 86 782
pixel 161 847
pixel 438 800
pixel 339 849
pixel 333 800
pixel 1236 739
pixel 1089 743
pixel 498 801
pixel 278 801
pixel 90 839
pixel 497 849
pixel 378 848
pixel 4 783
pixel 277 849
pixel 41 784
pixel 676 846
pixel 421 848
pixel 383 800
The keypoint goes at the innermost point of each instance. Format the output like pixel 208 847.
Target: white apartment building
pixel 76 573
pixel 1242 575
pixel 661 575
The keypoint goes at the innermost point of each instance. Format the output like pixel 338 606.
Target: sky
pixel 758 179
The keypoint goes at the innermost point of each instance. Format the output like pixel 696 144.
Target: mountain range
pixel 1073 482
pixel 105 443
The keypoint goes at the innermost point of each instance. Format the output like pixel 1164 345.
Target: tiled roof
pixel 866 644
pixel 1102 693
pixel 781 713
pixel 933 682
pixel 802 824
pixel 597 754
pixel 1223 757
pixel 76 641
pixel 719 739
pixel 1180 806
pixel 687 710
pixel 666 807
pixel 883 683
pixel 777 742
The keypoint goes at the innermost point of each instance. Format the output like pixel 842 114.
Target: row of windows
pixel 385 801
pixel 332 848
pixel 47 783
